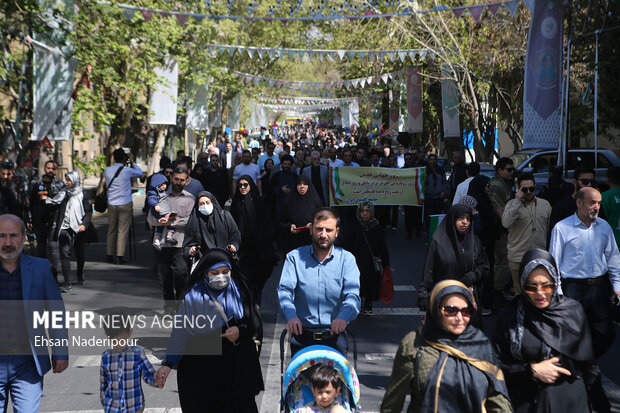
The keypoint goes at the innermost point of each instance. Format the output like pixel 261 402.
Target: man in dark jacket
pixel 283 182
pixel 42 214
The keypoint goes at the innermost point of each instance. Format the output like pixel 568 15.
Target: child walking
pixel 122 369
pixel 160 207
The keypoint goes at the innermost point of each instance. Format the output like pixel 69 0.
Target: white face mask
pixel 219 282
pixel 205 209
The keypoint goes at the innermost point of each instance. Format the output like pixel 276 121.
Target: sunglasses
pixel 509 169
pixel 452 311
pixel 7 165
pixel 591 182
pixel 527 189
pixel 533 288
pixel 244 185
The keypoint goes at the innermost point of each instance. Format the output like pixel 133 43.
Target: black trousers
pixel 66 239
pixel 172 271
pixel 413 219
pixel 596 301
pixel 337 342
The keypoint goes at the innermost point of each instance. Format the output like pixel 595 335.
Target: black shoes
pixel 110 259
pixel 120 260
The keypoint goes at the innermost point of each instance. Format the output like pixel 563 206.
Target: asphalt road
pixel 135 285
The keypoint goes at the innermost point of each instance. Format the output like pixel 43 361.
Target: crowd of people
pixel 541 260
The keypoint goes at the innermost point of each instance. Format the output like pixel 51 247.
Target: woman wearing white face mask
pixel 229 381
pixel 210 226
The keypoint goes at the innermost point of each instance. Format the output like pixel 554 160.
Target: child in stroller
pixel 319 379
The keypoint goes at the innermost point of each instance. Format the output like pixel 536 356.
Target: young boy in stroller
pixel 326 388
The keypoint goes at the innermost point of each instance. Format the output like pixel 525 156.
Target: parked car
pixel 539 162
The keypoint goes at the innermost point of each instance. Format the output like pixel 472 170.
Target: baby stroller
pixel 296 388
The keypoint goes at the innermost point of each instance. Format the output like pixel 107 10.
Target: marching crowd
pixel 541 260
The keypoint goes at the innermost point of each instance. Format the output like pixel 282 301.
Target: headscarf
pixel 212 229
pixel 477 189
pixel 229 298
pixel 459 381
pixel 372 221
pixel 299 208
pixel 74 211
pixel 469 201
pixel 244 208
pixel 561 326
pixel 463 245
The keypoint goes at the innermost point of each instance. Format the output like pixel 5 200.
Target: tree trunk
pixel 159 146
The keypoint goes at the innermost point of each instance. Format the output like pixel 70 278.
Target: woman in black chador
pixel 365 238
pixel 257 256
pixel 544 345
pixel 455 253
pixel 297 211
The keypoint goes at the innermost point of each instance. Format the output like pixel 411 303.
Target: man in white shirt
pixel 246 167
pixel 333 161
pixel 588 260
pixel 120 205
pixel 400 156
pixel 472 171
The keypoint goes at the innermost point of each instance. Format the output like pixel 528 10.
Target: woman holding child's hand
pixel 220 322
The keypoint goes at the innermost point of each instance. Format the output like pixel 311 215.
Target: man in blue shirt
pixel 584 248
pixel 269 155
pixel 319 289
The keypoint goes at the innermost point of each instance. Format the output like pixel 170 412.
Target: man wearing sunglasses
pixel 526 217
pixel 582 177
pixel 499 194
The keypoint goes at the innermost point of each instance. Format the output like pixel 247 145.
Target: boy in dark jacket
pixel 160 207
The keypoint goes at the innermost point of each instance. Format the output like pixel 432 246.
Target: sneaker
pixel 65 289
pixel 393 228
pixel 109 258
pixel 157 245
pixel 171 241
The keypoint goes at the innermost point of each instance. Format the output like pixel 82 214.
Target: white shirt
pixel 585 252
pixel 337 162
pixel 243 169
pixel 228 160
pixel 400 160
pixel 461 190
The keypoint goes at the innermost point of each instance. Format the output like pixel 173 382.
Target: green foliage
pixel 94 167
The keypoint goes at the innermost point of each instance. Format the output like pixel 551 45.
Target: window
pixel 603 162
pixel 543 163
pixel 580 159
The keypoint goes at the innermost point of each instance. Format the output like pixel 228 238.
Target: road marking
pixel 95 361
pixel 398 311
pixel 379 356
pixel 271 397
pixel 404 288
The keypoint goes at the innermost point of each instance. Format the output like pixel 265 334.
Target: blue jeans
pixel 20 379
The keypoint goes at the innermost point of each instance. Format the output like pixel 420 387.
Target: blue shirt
pixel 319 292
pixel 585 252
pixel 120 191
pixel 261 160
pixel 195 187
pixel 13 331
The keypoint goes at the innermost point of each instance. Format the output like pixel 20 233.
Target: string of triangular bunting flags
pixel 474 10
pixel 300 108
pixel 321 54
pixel 328 85
pixel 303 100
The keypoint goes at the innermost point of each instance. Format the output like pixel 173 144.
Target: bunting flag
pixel 476 12
pixel 272 53
pixel 450 104
pixel 543 77
pixel 163 102
pixel 415 123
pixel 316 86
pixel 84 81
pixel 369 14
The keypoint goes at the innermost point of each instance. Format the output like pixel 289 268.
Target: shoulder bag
pixel 101 200
pixel 376 260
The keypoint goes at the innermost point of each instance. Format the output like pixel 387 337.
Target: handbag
pixel 101 200
pixel 377 263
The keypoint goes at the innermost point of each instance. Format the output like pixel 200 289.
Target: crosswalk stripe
pixel 398 311
pixel 95 361
pixel 404 288
pixel 379 356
